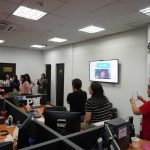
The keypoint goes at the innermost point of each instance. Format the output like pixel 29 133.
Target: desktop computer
pixel 120 129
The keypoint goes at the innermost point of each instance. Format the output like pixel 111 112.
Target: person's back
pixel 98 112
pixel 77 100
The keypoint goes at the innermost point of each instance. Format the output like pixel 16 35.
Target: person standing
pixel 77 98
pixel 6 81
pixel 14 83
pixel 42 84
pixel 32 84
pixel 25 86
pixel 143 110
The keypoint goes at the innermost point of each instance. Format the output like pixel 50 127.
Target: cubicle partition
pixel 86 139
pixel 41 137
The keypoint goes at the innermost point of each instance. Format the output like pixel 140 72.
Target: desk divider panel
pixel 48 139
pixel 86 139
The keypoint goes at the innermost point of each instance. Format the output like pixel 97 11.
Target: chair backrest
pixel 54 108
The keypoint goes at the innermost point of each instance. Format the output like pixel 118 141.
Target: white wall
pixel 129 47
pixel 60 55
pixel 27 61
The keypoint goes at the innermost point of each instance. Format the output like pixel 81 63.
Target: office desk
pixel 41 109
pixel 141 142
pixel 10 130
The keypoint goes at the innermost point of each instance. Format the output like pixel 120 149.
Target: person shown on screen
pixel 143 110
pixel 102 74
pixel 25 86
pixel 42 84
pixel 97 107
pixel 77 98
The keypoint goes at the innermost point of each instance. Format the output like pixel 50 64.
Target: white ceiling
pixel 65 17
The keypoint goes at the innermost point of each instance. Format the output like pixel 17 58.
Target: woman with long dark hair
pixel 32 84
pixel 14 83
pixel 25 86
pixel 97 107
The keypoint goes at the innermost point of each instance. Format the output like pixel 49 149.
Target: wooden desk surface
pixel 141 142
pixel 10 130
pixel 41 109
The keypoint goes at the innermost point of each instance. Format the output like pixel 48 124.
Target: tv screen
pixel 104 71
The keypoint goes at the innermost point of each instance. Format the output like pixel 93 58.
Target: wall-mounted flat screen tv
pixel 104 71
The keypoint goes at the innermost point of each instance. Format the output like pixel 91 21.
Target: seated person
pixel 97 107
pixel 143 110
pixel 77 98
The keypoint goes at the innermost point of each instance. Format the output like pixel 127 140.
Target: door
pixel 7 68
pixel 60 84
pixel 48 76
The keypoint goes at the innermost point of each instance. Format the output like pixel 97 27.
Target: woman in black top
pixel 97 107
pixel 14 83
pixel 77 98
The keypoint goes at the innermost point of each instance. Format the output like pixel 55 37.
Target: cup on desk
pixel 135 142
pixel 4 114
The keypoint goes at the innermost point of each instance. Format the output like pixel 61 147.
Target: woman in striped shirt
pixel 97 107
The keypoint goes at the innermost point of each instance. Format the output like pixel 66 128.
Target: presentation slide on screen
pixel 104 71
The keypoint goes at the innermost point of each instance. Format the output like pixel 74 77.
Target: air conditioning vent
pixel 6 26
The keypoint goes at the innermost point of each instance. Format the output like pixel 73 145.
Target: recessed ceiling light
pixel 29 13
pixel 2 41
pixel 38 46
pixel 56 39
pixel 145 11
pixel 92 29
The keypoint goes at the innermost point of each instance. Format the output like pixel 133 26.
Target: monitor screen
pixel 63 122
pixel 104 71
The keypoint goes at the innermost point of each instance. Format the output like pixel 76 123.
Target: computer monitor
pixel 6 146
pixel 33 132
pixel 63 122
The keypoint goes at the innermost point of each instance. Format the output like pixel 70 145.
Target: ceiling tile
pixel 44 24
pixel 3 16
pixel 70 11
pixel 7 7
pixel 15 1
pixel 48 5
pixel 90 4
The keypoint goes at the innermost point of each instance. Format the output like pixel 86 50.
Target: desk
pixel 41 109
pixel 141 142
pixel 10 130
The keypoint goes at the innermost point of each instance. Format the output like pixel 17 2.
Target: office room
pixel 62 43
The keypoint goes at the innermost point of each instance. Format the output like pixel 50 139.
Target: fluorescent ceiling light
pixel 58 40
pixel 29 13
pixel 92 29
pixel 2 41
pixel 145 11
pixel 38 46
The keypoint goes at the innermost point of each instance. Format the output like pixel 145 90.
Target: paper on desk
pixel 97 124
pixel 145 146
pixel 41 119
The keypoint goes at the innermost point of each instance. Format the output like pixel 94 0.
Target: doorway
pixel 48 76
pixel 60 84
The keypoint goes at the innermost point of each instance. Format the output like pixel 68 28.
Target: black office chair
pixel 54 108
